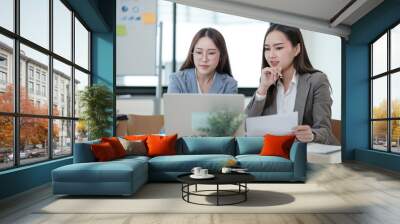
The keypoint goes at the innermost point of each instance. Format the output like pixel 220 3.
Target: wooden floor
pixel 377 188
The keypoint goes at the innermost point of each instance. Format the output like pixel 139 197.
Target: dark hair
pixel 301 62
pixel 219 41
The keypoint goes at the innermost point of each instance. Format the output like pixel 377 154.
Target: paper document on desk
pixel 278 124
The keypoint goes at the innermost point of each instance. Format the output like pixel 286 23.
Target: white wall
pixel 325 54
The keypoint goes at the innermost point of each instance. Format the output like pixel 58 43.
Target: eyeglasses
pixel 208 54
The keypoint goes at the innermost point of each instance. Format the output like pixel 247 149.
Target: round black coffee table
pixel 238 179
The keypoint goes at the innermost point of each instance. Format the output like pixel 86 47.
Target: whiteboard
pixel 136 33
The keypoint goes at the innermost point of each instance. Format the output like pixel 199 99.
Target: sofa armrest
pixel 83 152
pixel 298 155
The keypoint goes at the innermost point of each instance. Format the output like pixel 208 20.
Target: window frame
pixel 388 74
pixel 15 72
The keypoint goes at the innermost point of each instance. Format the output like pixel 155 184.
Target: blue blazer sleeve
pixel 173 85
pixel 232 87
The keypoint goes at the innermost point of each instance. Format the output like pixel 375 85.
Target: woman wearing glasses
pixel 206 68
pixel 290 83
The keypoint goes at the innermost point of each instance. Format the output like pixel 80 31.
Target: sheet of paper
pixel 278 124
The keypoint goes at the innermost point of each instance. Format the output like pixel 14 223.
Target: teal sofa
pixel 125 176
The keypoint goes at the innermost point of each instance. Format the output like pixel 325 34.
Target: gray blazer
pixel 313 104
pixel 185 82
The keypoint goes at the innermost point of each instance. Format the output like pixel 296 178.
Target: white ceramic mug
pixel 226 170
pixel 203 172
pixel 196 170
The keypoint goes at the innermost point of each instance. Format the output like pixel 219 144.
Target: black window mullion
pixel 16 83
pixel 174 37
pixel 389 139
pixel 73 81
pixel 50 87
pixel 371 89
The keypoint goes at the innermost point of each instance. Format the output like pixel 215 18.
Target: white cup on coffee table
pixel 203 172
pixel 196 170
pixel 226 170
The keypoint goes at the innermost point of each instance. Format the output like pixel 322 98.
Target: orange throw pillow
pixel 103 152
pixel 116 145
pixel 136 137
pixel 277 145
pixel 159 145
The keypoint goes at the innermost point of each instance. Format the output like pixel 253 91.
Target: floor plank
pixel 377 190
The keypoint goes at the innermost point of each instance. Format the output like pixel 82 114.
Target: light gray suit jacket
pixel 313 104
pixel 185 82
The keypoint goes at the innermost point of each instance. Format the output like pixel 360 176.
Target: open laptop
pixel 185 113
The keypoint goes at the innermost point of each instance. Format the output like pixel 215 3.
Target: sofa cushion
pixel 249 145
pixel 116 145
pixel 207 145
pixel 185 163
pixel 132 158
pixel 277 145
pixel 159 145
pixel 103 151
pixel 83 152
pixel 257 163
pixel 136 147
pixel 136 137
pixel 112 171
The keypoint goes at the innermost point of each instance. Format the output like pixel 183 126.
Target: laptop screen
pixel 186 113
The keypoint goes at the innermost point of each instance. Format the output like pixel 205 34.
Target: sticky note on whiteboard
pixel 149 18
pixel 121 30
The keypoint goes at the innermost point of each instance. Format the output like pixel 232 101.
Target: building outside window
pixel 43 78
pixel 3 71
pixel 3 61
pixel 43 90
pixel 38 89
pixel 30 72
pixel 30 87
pixel 37 75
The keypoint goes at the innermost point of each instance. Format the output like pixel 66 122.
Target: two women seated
pixel 288 81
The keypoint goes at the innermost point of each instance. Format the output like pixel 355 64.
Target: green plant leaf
pixel 96 102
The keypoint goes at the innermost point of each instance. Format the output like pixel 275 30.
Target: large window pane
pixel 379 55
pixel 62 29
pixel 62 138
pixel 395 47
pixel 6 142
pixel 33 139
pixel 34 74
pixel 379 135
pixel 395 136
pixel 6 74
pixel 81 81
pixel 7 14
pixel 81 45
pixel 395 95
pixel 35 21
pixel 62 89
pixel 379 97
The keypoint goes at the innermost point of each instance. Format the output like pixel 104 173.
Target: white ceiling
pixel 315 15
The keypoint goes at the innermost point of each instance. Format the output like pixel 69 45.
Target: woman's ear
pixel 298 49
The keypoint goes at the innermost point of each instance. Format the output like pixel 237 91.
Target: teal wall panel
pixel 24 178
pixel 357 98
pixel 377 158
